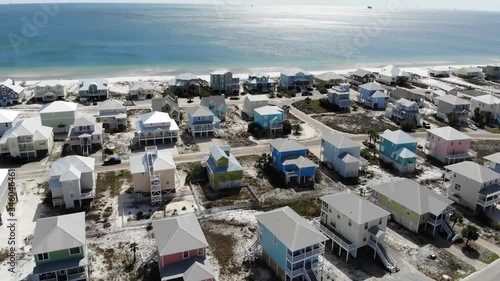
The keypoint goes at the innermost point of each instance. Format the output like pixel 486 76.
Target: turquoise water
pixel 152 39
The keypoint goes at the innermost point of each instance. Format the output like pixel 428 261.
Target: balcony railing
pixel 486 202
pixel 77 276
pixel 87 194
pixel 291 173
pixel 333 235
pixel 459 156
pixel 313 252
pixel 295 273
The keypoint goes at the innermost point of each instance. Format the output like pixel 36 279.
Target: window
pixel 459 142
pixel 380 221
pixel 366 225
pixel 74 251
pixel 457 187
pixel 364 239
pixel 201 252
pixel 382 148
pixel 338 215
pixel 62 272
pixel 275 240
pixel 451 143
pixel 185 255
pixel 43 256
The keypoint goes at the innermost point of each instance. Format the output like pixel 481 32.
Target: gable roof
pixel 398 137
pixel 405 153
pixel 141 85
pixel 220 72
pixel 495 157
pixel 11 84
pixel 299 161
pixel 379 94
pixel 162 160
pixel 451 99
pixel 186 77
pixel 488 99
pixel 372 86
pixel 199 271
pixel 218 101
pixel 340 140
pixel 158 104
pixel 111 104
pixel 257 97
pixel 327 76
pixel 28 127
pixel 101 84
pixel 199 111
pixel 405 102
pixel 8 116
pixel 218 152
pixel 393 71
pixel 294 72
pixel 292 230
pixel 283 145
pixel 268 110
pixel 50 83
pixel 84 121
pixel 474 171
pixel 71 167
pixel 361 72
pixel 59 233
pixel 449 133
pixel 470 69
pixel 58 106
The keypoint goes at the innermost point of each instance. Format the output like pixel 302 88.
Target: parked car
pixel 113 160
pixel 306 93
pixel 426 125
pixel 472 127
pixel 94 103
pixel 279 95
pixel 234 98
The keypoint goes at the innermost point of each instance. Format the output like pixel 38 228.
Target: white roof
pixel 405 102
pixel 451 99
pixel 449 133
pixel 372 86
pixel 327 76
pixel 58 106
pixel 379 94
pixel 393 71
pixel 294 72
pixel 199 271
pixel 102 84
pixel 9 83
pixel 7 115
pixel 292 230
pixel 220 72
pixel 257 97
pixel 487 99
pixel 340 140
pixel 199 110
pixel 405 153
pixel 155 117
pixel 398 137
pixel 71 167
pixel 474 171
pixel 28 127
pixel 493 157
pixel 111 104
pixel 141 85
pixel 161 161
pixel 59 233
pixel 470 69
pixel 186 77
pixel 84 121
pixel 50 83
pixel 283 145
pixel 268 110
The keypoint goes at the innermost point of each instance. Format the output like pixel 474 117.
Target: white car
pixel 472 127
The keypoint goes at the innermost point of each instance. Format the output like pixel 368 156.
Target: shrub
pixel 408 126
pixel 354 107
pixel 139 215
pixel 254 129
pixel 197 172
pixel 317 176
pixel 287 127
pixel 149 227
pixel 314 212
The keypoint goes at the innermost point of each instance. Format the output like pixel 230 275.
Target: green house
pixel 223 169
pixel 59 248
pixel 399 149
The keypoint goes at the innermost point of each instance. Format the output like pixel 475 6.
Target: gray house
pixel 93 89
pixel 361 76
pixel 113 115
pixel 492 72
pixel 452 104
pixel 167 105
pixel 11 93
pixel 223 82
pixel 330 79
pixel 141 91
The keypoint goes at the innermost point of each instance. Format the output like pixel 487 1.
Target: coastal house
pixel 223 169
pixel 252 102
pixel 414 206
pixel 202 120
pixel 11 93
pixel 141 90
pixel 398 149
pixel 261 83
pixel 290 158
pixel 296 78
pixel 439 72
pixel 168 105
pixel 493 162
pixel 400 93
pixel 182 249
pixel 49 90
pixel 59 246
pixel 469 72
pixel 270 118
pixel 185 84
pixel 342 154
pixel 353 223
pixel 291 246
pixel 391 75
pixel 216 104
pixel 223 82
pixel 155 127
pixel 452 104
pixel 7 119
pixel 404 109
pixel 472 185
pixel 487 103
pixel 4 192
pixel 112 115
pixel 154 173
pixel 340 95
pixel 361 76
pixel 85 135
pixel 72 181
pixel 329 79
pixel 449 145
pixel 59 115
pixel 373 95
pixel 27 139
pixel 492 72
pixel 93 89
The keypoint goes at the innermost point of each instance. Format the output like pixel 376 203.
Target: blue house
pixel 373 95
pixel 340 96
pixel 216 104
pixel 291 245
pixel 296 78
pixel 269 117
pixel 289 157
pixel 201 120
pixel 399 149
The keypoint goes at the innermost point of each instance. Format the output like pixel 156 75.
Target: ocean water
pixel 75 40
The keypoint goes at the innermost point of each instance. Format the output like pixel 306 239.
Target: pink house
pixel 182 249
pixel 85 134
pixel 449 145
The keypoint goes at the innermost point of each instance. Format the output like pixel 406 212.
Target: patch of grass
pixel 222 247
pixel 355 123
pixel 309 208
pixel 315 107
pixel 493 130
pixel 421 130
pixel 487 259
pixel 3 254
pixel 484 148
pixel 112 182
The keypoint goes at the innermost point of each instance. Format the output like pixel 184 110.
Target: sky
pixel 485 5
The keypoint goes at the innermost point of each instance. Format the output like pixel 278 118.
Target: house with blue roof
pixel 223 169
pixel 202 121
pixel 269 117
pixel 399 149
pixel 373 95
pixel 290 158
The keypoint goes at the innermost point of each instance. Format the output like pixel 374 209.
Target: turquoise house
pixel 399 149
pixel 216 104
pixel 269 117
pixel 290 158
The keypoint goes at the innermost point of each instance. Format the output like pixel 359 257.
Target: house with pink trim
pixel 449 145
pixel 182 249
pixel 85 134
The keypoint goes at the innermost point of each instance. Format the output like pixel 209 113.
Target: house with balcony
pixel 155 127
pixel 492 72
pixel 168 105
pixel 59 246
pixel 141 90
pixel 373 95
pixel 7 119
pixel 449 145
pixel 361 76
pixel 202 121
pixel 223 82
pixel 154 173
pixel 49 90
pixel 340 96
pixel 353 223
pixel 439 72
pixel 185 84
pixel 112 115
pixel 472 185
pixel 85 135
pixel 182 249
pixel 216 104
pixel 11 93
pixel 469 72
pixel 296 78
pixel 27 139
pixel 487 103
pixel 391 75
pixel 59 115
pixel 452 104
pixel 261 83
pixel 224 172
pixel 402 110
pixel 493 162
pixel 4 192
pixel 290 158
pixel 72 181
pixel 398 149
pixel 330 79
pixel 414 206
pixel 291 246
pixel 342 154
pixel 269 117
pixel 93 89
pixel 411 95
pixel 252 102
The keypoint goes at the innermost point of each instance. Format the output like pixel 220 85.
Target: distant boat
pixel 370 7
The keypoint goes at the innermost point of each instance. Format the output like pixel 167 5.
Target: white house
pixel 404 109
pixel 27 139
pixel 155 127
pixel 11 93
pixel 4 191
pixel 141 90
pixel 7 119
pixel 392 75
pixel 59 115
pixel 49 90
pixel 488 103
pixel 452 104
pixel 439 72
pixel 252 102
pixel 112 115
pixel 469 72
pixel 342 154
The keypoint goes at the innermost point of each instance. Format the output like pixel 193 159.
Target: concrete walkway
pixel 457 252
pixel 489 273
pixel 487 245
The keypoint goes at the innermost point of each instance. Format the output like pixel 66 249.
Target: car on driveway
pixel 472 127
pixel 234 98
pixel 113 160
pixel 426 125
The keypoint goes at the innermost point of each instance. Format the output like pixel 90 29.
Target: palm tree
pixel 133 247
pixel 456 217
pixel 297 128
pixel 470 232
pixel 373 136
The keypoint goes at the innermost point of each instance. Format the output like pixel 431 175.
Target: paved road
pixel 489 273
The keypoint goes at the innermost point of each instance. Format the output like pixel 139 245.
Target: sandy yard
pixel 357 123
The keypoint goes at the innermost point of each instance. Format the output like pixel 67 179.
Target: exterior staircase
pixel 253 249
pixel 450 234
pixel 154 179
pixel 384 256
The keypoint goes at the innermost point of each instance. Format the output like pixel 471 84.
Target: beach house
pixel 270 118
pixel 216 104
pixel 414 206
pixel 398 149
pixel 329 79
pixel 439 72
pixel 223 82
pixel 93 89
pixel 353 223
pixel 4 192
pixel 11 93
pixel 223 169
pixel 72 181
pixel 85 135
pixel 340 95
pixel 261 83
pixel 141 90
pixel 342 154
pixel 185 84
pixel 59 246
pixel 291 246
pixel 492 72
pixel 452 104
pixel 252 102
pixel 182 249
pixel 27 139
pixel 411 95
pixel 296 78
pixel 59 115
pixel 112 115
pixel 168 105
pixel 404 109
pixel 449 145
pixel 361 76
pixel 472 185
pixel 469 72
pixel 290 158
pixel 154 173
pixel 373 95
pixel 391 75
pixel 49 90
pixel 7 119
pixel 486 103
pixel 493 162
pixel 155 127
pixel 202 121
